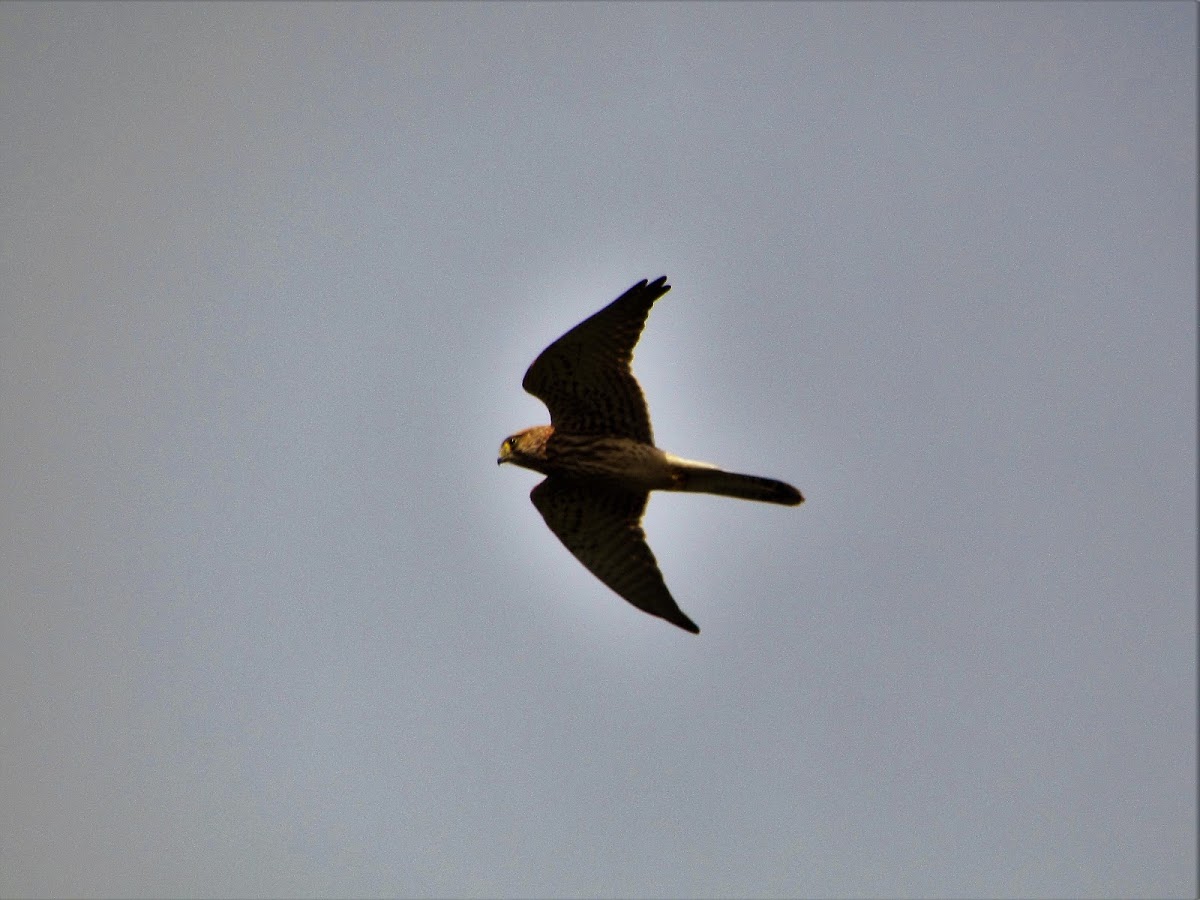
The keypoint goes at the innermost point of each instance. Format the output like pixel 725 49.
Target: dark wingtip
pixel 685 623
pixel 658 285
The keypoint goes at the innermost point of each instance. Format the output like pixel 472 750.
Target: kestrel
pixel 599 458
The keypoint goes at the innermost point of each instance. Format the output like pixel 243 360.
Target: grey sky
pixel 274 623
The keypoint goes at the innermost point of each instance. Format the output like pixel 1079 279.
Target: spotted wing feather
pixel 585 377
pixel 602 529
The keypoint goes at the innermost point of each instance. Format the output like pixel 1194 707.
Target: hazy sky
pixel 274 623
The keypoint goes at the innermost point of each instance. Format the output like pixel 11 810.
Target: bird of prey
pixel 599 458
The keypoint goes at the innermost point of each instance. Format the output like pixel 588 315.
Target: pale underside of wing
pixel 585 377
pixel 601 526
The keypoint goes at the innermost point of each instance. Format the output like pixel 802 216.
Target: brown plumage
pixel 599 456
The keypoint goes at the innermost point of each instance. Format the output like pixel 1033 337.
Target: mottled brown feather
pixel 601 526
pixel 585 377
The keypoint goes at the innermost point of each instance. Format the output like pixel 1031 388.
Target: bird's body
pixel 632 464
pixel 636 466
pixel 599 457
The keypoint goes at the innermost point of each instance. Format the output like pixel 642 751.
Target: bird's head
pixel 526 448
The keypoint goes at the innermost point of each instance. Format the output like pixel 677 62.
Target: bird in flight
pixel 599 458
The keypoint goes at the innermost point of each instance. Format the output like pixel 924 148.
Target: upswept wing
pixel 602 529
pixel 584 377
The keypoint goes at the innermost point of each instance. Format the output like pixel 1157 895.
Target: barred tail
pixel 705 480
